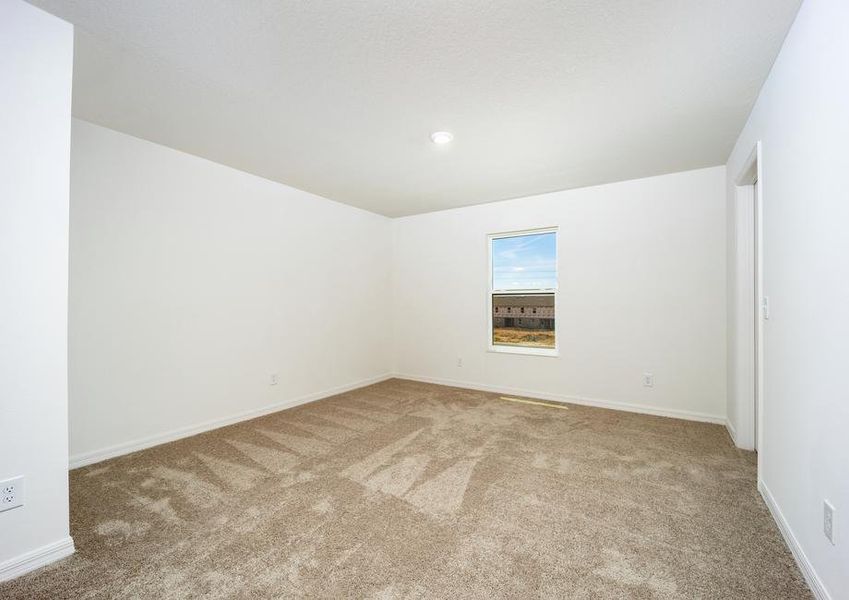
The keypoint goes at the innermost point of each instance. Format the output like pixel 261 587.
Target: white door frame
pixel 748 388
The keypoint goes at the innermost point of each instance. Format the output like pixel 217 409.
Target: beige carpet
pixel 410 490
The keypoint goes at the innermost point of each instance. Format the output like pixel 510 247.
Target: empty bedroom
pixel 407 300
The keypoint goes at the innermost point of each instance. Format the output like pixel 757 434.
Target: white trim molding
pixel 732 432
pixel 746 335
pixel 35 559
pixel 808 571
pixel 595 402
pixel 87 458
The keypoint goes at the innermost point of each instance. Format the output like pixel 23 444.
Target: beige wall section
pixel 192 283
pixel 801 119
pixel 642 288
pixel 36 54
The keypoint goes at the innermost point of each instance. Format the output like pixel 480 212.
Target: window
pixel 523 281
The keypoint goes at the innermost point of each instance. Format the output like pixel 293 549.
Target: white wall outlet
pixel 274 379
pixel 11 493
pixel 648 379
pixel 459 362
pixel 828 520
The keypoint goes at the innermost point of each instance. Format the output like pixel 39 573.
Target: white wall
pixel 191 283
pixel 36 53
pixel 802 120
pixel 642 288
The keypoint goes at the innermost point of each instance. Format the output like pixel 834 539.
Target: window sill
pixel 526 350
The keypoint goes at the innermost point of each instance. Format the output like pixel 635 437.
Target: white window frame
pixel 527 350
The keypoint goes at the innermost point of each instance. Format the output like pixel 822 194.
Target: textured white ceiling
pixel 339 98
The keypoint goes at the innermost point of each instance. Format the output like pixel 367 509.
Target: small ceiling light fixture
pixel 441 137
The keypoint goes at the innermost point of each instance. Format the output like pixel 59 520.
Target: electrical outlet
pixel 648 379
pixel 11 493
pixel 828 520
pixel 459 362
pixel 274 379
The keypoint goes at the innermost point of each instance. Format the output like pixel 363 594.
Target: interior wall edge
pixel 35 559
pixel 733 434
pixel 83 459
pixel 564 399
pixel 805 565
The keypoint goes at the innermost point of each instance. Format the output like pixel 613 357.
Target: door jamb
pixel 750 235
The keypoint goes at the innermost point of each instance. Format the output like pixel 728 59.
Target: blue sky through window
pixel 524 262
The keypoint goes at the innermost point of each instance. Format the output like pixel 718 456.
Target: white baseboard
pixel 35 559
pixel 87 458
pixel 731 432
pixel 808 571
pixel 610 404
